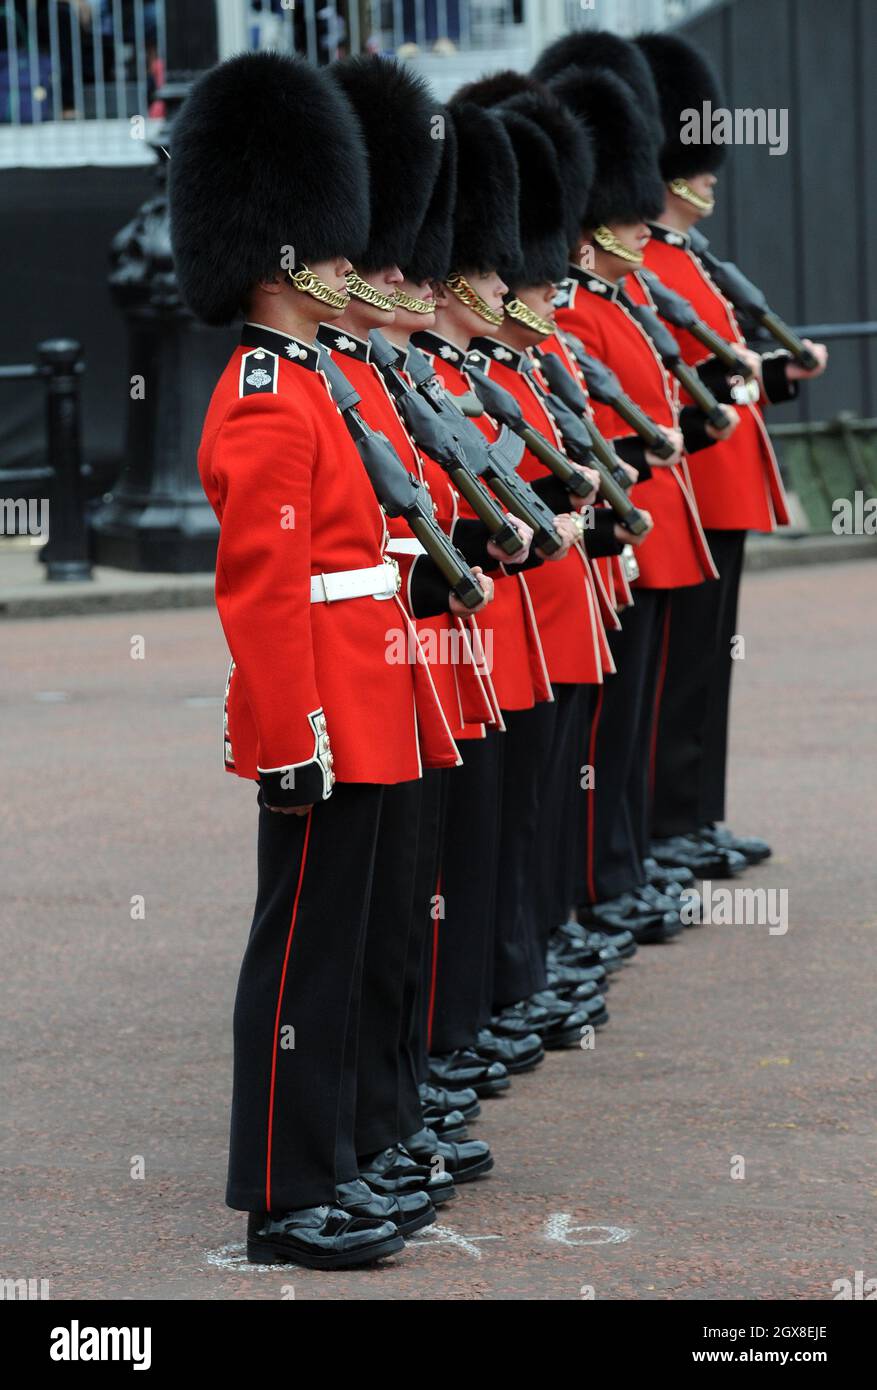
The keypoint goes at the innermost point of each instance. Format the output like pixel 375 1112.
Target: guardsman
pixel 269 198
pixel 468 296
pixel 541 756
pixel 627 189
pixel 389 98
pixel 737 485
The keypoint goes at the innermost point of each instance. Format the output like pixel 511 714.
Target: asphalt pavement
pixel 719 1141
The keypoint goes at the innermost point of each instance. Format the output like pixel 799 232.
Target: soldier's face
pixel 408 322
pixel 634 236
pixel 704 185
pixel 539 298
pixel 360 316
pixel 334 274
pixel 490 288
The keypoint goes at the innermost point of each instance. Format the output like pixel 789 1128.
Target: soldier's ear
pixel 441 294
pixel 272 286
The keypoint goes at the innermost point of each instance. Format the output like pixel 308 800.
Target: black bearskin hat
pixel 265 154
pixel 517 92
pixel 431 256
pixel 544 250
pixel 397 114
pixel 627 185
pixel 486 213
pixel 599 48
pixel 685 79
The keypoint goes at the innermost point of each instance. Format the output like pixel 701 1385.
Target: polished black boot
pixel 409 1211
pixel 464 1162
pixel 752 847
pixel 467 1068
pixel 440 1100
pixel 704 860
pixel 320 1238
pixel 516 1054
pixel 394 1173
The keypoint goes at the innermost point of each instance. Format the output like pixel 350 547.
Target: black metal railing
pixel 59 364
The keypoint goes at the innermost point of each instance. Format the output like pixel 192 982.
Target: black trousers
pixel 527 778
pixel 618 819
pixel 562 813
pixel 691 751
pixel 382 1020
pixel 418 964
pixel 296 1010
pixel 460 952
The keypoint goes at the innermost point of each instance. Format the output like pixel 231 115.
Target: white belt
pixel 380 581
pixel 404 546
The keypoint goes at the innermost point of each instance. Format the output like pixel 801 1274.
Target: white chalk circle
pixel 559 1227
pixel 234 1257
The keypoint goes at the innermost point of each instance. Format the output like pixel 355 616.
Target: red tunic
pixel 736 482
pixel 293 500
pixel 676 553
pixel 462 687
pixel 509 628
pixel 563 592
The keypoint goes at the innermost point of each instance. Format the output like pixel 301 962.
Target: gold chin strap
pixel 309 283
pixel 517 309
pixel 465 293
pixel 608 241
pixel 361 289
pixel 414 306
pixel 684 191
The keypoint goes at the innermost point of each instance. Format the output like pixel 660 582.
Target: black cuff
pixel 714 374
pixel 293 786
pixel 429 589
pixel 631 449
pixel 600 539
pixel 693 423
pixel 552 491
pixel 777 387
pixel 470 537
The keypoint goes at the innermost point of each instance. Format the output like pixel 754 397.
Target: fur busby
pixel 431 256
pixel 599 48
pixel 627 183
pixel 544 249
pixel 685 79
pixel 265 154
pixel 515 91
pixel 486 213
pixel 397 114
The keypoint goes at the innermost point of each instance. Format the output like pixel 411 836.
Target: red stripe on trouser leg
pixel 301 874
pixel 592 748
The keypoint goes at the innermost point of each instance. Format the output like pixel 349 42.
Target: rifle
pixel 750 300
pixel 605 387
pixel 677 310
pixel 496 462
pixel 670 354
pixel 399 492
pixel 502 405
pixel 435 437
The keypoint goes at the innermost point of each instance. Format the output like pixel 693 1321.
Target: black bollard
pixel 60 362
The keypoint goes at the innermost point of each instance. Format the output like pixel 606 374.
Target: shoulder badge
pixel 566 293
pixel 258 372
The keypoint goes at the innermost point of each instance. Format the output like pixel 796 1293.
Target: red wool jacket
pixel 311 696
pixel 737 483
pixel 676 553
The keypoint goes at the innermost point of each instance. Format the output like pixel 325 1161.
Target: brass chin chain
pixel 309 283
pixel 414 306
pixel 361 289
pixel 608 241
pixel 684 191
pixel 517 309
pixel 465 293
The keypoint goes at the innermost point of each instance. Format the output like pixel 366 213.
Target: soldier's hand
pixel 569 534
pixel 627 537
pixel 630 470
pixel 289 810
pixel 719 435
pixel 675 438
pixel 794 370
pixel 577 503
pixel 526 534
pixel 750 357
pixel 486 584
